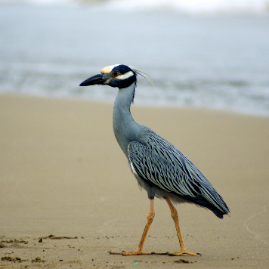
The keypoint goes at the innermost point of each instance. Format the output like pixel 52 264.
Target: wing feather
pixel 159 163
pixel 156 170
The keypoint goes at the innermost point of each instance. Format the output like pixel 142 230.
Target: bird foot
pixel 133 253
pixel 130 253
pixel 183 252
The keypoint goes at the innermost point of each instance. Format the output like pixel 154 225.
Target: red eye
pixel 115 73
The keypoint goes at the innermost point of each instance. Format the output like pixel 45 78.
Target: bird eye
pixel 115 73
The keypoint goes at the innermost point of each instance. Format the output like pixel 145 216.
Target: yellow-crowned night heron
pixel 159 167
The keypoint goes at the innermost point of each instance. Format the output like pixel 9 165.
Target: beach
pixel 68 197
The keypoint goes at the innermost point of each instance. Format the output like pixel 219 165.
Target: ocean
pixel 213 56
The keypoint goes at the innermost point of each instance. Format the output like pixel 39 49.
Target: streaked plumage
pixel 159 164
pixel 159 167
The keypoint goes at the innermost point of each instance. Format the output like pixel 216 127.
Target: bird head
pixel 119 75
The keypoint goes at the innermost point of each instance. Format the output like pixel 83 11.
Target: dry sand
pixel 63 174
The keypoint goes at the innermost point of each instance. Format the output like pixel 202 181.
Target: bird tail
pixel 213 202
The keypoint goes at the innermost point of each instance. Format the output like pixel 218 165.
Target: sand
pixel 67 196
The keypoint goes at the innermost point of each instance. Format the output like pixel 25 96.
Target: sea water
pixel 209 56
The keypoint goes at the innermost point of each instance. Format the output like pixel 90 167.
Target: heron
pixel 158 166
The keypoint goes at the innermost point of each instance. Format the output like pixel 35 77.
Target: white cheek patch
pixel 108 69
pixel 107 81
pixel 125 76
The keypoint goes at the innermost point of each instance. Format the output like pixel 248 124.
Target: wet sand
pixel 67 196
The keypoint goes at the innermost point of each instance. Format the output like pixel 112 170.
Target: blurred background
pixel 199 53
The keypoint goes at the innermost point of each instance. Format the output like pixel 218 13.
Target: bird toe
pixel 182 252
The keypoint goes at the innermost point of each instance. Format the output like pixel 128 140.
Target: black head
pixel 120 76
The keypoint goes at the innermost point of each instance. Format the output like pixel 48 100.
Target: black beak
pixel 97 79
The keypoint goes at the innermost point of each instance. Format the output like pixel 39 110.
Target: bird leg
pixel 138 251
pixel 174 216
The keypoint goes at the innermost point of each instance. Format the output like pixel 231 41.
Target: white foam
pixel 190 6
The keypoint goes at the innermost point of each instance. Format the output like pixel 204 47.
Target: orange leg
pixel 174 216
pixel 138 251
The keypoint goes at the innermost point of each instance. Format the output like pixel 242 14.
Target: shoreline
pixel 146 106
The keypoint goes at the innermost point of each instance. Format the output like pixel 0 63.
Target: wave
pixel 181 6
pixel 192 6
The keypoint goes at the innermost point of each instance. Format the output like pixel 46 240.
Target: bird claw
pixel 183 252
pixel 133 253
pixel 130 253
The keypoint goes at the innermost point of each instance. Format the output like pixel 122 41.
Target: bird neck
pixel 123 122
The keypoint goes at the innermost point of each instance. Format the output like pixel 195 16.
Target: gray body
pixel 160 168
